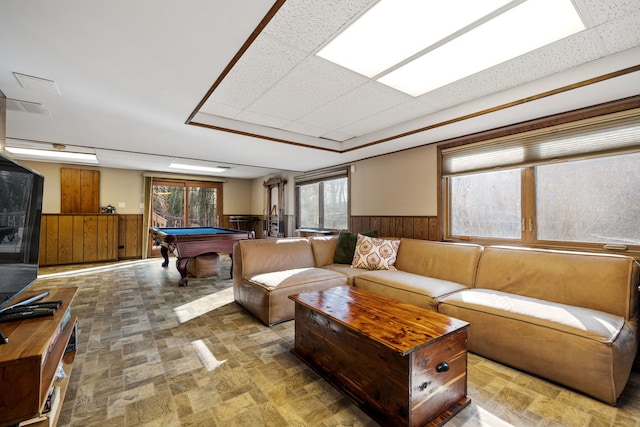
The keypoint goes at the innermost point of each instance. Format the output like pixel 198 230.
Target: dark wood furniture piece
pixel 29 360
pixel 401 364
pixel 189 242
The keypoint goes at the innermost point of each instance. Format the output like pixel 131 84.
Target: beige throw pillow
pixel 373 253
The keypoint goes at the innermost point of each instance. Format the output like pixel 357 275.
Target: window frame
pixel 528 181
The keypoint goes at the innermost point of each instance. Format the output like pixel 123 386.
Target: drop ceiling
pixel 238 84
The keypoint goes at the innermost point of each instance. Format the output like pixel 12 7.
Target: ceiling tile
pixel 261 119
pixel 308 24
pixel 393 116
pixel 356 105
pixel 266 62
pixel 309 86
pixel 305 129
pixel 622 33
pixel 599 11
pixel 219 109
pixel 338 136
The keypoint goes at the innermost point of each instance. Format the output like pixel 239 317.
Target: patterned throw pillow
pixel 374 253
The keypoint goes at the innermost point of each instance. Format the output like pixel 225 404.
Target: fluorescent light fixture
pixel 526 27
pixel 54 154
pixel 393 30
pixel 183 166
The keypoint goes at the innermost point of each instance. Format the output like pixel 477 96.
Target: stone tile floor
pixel 155 354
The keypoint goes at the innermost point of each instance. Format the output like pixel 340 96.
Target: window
pixel 475 214
pixel 569 187
pixel 592 200
pixel 322 202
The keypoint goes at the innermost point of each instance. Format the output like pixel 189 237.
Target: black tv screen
pixel 20 215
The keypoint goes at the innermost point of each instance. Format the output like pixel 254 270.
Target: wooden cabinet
pixel 28 362
pixel 79 190
pixel 78 238
pixel 82 238
pixel 130 236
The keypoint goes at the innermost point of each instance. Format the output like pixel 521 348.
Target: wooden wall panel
pixel 89 191
pixel 112 244
pixel 51 236
pixel 79 190
pixel 78 238
pixel 90 238
pixel 415 227
pixel 65 239
pixel 69 190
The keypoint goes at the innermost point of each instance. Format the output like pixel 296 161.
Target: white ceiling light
pixel 183 166
pixel 393 30
pixel 53 154
pixel 526 27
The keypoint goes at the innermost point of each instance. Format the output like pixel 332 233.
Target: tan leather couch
pixel 566 316
pixel 267 271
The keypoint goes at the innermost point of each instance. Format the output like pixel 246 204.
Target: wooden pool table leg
pixel 181 264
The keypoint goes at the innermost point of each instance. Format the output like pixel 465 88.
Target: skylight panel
pixel 394 30
pixel 526 27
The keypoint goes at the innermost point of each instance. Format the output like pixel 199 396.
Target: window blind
pixel 318 176
pixel 603 135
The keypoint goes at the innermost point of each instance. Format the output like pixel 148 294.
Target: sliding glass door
pixel 183 203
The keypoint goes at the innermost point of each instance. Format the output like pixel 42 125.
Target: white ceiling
pixel 133 79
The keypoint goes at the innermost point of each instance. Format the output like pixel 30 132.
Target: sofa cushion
pixel 602 282
pixel 592 324
pixel 267 255
pixel 587 350
pixel 324 247
pixel 266 295
pixel 349 272
pixel 293 277
pixel 373 253
pixel 407 287
pixel 455 262
pixel 346 246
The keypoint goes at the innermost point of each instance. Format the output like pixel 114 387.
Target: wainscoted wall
pixel 415 227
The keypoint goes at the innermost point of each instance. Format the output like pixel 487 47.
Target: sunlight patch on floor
pixel 206 357
pixel 203 305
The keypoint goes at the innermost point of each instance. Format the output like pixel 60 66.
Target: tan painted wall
pixel 403 183
pixel 124 189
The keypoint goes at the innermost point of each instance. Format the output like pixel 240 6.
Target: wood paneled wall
pixel 415 227
pixel 83 238
pixel 80 191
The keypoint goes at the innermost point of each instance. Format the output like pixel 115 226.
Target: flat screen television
pixel 20 216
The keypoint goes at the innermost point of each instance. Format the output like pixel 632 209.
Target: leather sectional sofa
pixel 568 317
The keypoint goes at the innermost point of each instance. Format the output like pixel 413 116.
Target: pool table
pixel 189 242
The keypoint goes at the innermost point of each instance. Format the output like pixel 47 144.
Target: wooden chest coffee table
pixel 401 364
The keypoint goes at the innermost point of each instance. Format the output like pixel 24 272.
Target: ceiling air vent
pixel 26 107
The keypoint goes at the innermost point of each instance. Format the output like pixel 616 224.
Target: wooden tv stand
pixel 28 362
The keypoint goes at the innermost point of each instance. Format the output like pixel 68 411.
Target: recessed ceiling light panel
pixel 524 28
pixel 394 30
pixel 31 153
pixel 197 168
